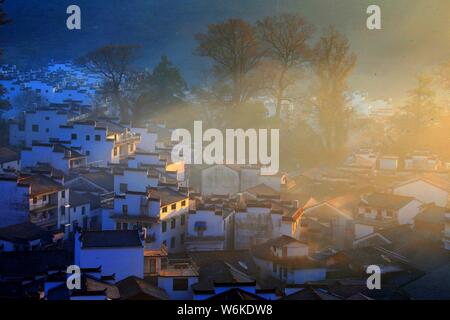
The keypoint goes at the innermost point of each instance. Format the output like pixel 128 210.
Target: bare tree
pixel 332 64
pixel 233 47
pixel 114 63
pixel 284 40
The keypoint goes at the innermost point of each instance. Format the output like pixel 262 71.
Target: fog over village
pixel 314 160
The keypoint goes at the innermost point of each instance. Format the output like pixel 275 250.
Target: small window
pixel 183 203
pixel 115 152
pixel 73 136
pixel 44 198
pixel 88 137
pixel 172 242
pixel 63 194
pixel 123 187
pixel 34 200
pixel 173 206
pixel 125 209
pixel 88 153
pixel 180 285
pixel 173 223
pixel 47 130
pixel 97 137
pixel 83 211
pixel 124 226
pixel 183 219
pixel 164 209
pixel 35 128
pixel 47 118
pixel 164 226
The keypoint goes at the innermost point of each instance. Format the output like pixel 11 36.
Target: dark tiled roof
pixel 77 199
pixel 166 195
pixel 264 251
pixel 434 285
pixel 40 184
pixel 8 155
pixel 103 179
pixel 111 238
pixel 24 232
pixel 310 293
pixel 387 201
pixel 432 214
pixel 29 263
pixel 134 288
pixel 235 294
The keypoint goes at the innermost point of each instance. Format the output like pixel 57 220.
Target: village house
pixel 232 179
pixel 39 125
pixel 329 224
pixel 229 270
pixel 56 155
pixel 427 189
pixel 23 237
pixel 35 198
pixel 430 221
pixel 177 278
pixel 255 222
pixel 102 140
pixel 118 252
pixel 148 139
pixel 206 229
pixel 288 260
pixel 383 210
pixel 142 202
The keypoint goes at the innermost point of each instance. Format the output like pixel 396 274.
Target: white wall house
pixel 220 179
pixel 206 230
pixel 177 279
pixel 389 163
pixel 287 259
pixel 35 198
pixel 118 252
pixel 134 179
pixel 103 141
pixel 381 210
pixel 15 201
pixel 37 126
pixel 161 213
pixel 231 179
pixel 148 139
pixel 427 190
pixel 56 155
pixel 254 225
pixel 24 236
